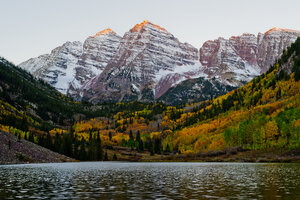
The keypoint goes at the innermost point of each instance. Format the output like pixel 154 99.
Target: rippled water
pixel 120 180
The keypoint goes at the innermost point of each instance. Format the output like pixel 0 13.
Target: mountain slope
pixel 264 114
pixel 23 97
pixel 69 66
pixel 195 90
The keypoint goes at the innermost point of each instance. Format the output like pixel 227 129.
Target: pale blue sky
pixel 30 28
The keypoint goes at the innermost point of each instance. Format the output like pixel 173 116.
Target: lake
pixel 122 180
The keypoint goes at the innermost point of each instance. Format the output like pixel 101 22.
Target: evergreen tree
pixel 157 145
pixel 48 142
pixel 131 140
pixel 90 136
pixel 138 136
pixel 105 157
pixel 41 140
pixel 115 157
pixel 67 145
pixel 24 124
pixel 138 142
pixel 131 136
pixel 31 138
pixel 71 132
pixel 141 145
pixel 82 152
pixel 99 150
pixel 150 148
pixel 90 153
pixel 19 137
pixel 110 135
pixel 57 143
pixel 124 143
pixel 75 151
pixel 167 149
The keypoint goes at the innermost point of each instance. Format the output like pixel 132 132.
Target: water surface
pixel 120 180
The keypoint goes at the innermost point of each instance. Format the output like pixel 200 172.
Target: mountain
pixel 231 63
pixel 241 58
pixel 135 73
pixel 69 66
pixel 148 63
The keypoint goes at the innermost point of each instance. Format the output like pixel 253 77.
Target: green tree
pixel 57 143
pixel 167 149
pixel 105 157
pixel 110 135
pixel 115 157
pixel 82 151
pixel 157 145
pixel 99 150
pixel 19 137
pixel 67 145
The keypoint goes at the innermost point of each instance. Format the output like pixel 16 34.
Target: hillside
pixel 14 150
pixel 35 100
pixel 264 114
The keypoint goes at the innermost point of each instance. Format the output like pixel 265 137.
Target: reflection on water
pixel 117 180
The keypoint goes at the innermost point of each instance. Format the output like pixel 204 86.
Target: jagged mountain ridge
pixel 148 60
pixel 241 58
pixel 69 66
pixel 232 63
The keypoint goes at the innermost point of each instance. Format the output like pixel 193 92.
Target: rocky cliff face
pixel 238 59
pixel 148 60
pixel 148 55
pixel 272 44
pixel 69 66
pixel 57 68
pixel 230 63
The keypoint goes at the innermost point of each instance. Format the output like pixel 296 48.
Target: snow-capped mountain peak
pixel 278 29
pixel 104 32
pixel 146 24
